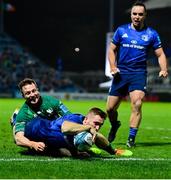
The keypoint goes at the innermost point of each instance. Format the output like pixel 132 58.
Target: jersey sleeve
pixel 156 40
pixel 19 127
pixel 24 115
pixel 116 37
pixel 20 123
pixel 62 109
pixel 76 118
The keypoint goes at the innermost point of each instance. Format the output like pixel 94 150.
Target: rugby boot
pixel 130 143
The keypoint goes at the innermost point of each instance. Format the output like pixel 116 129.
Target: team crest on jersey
pixel 144 37
pixel 49 111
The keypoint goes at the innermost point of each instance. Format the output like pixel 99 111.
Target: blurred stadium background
pixel 38 39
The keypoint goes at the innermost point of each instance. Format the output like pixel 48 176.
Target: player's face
pixel 95 121
pixel 31 93
pixel 138 15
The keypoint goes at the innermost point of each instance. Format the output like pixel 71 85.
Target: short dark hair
pixel 98 111
pixel 25 82
pixel 140 3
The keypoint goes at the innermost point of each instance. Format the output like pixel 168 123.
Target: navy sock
pixel 132 133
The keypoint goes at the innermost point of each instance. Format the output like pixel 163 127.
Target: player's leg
pixel 13 121
pixel 136 98
pixel 112 105
pixel 102 143
pixel 64 152
pixel 137 89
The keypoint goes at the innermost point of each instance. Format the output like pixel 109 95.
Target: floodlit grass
pixel 151 158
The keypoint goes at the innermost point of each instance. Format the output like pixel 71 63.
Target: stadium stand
pixel 17 63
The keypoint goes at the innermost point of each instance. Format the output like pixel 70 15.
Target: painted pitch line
pixel 69 159
pixel 137 159
pixel 160 129
pixel 31 159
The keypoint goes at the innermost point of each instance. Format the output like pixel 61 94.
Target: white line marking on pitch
pixel 136 159
pixel 160 129
pixel 69 159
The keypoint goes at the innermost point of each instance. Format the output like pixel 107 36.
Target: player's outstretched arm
pixel 112 58
pixel 21 140
pixel 74 128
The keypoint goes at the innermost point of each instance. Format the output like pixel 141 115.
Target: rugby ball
pixel 83 141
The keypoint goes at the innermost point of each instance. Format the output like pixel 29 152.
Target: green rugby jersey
pixel 50 108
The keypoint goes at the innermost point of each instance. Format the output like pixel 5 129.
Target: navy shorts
pixel 125 83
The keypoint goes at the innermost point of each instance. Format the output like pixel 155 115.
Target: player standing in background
pixel 128 64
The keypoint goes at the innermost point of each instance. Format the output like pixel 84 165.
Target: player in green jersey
pixel 35 105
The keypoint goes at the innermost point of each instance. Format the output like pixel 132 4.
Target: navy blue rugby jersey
pixel 133 47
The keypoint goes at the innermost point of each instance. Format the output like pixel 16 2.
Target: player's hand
pixel 93 131
pixel 114 71
pixel 38 146
pixel 163 74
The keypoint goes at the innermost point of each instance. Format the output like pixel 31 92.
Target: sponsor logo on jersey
pixel 38 112
pixel 125 35
pixel 134 42
pixel 133 46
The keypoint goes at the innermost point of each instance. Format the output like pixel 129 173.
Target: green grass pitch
pixel 151 158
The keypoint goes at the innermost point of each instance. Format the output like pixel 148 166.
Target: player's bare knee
pixel 137 104
pixel 111 111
